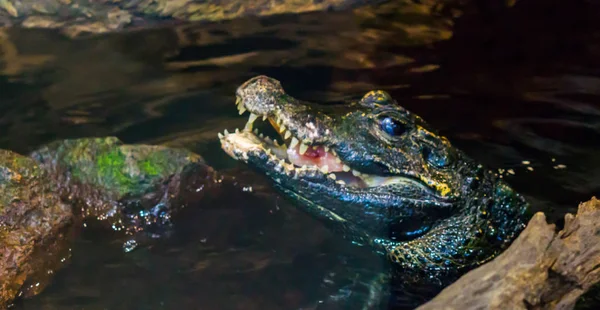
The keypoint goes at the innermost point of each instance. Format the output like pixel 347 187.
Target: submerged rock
pixel 135 189
pixel 34 227
pixel 132 188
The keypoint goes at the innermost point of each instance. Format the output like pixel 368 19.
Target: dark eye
pixel 434 158
pixel 391 126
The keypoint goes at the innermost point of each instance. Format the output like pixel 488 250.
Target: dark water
pixel 518 89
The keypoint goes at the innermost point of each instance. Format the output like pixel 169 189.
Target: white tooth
pixel 226 132
pixel 345 168
pixel 242 110
pixel 220 135
pixel 276 142
pixel 287 134
pixel 303 148
pixel 325 169
pixel 282 163
pixel 261 135
pixel 268 151
pixel 326 149
pixel 282 129
pixel 264 118
pixel 355 173
pixel 340 182
pixel 256 131
pixel 252 118
pixel 238 100
pixel 237 130
pixel 294 142
pixel 331 176
pixel 304 167
pixel 337 160
pixel 269 140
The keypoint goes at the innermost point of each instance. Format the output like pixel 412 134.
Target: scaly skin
pixel 409 194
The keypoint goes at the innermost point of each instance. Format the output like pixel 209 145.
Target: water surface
pixel 517 89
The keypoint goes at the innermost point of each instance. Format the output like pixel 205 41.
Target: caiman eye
pixel 391 126
pixel 435 158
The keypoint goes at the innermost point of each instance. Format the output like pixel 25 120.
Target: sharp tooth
pixel 345 168
pixel 276 142
pixel 287 134
pixel 269 140
pixel 304 167
pixel 226 132
pixel 264 118
pixel 220 135
pixel 268 151
pixel 252 118
pixel 303 148
pixel 325 169
pixel 282 129
pixel 238 100
pixel 326 149
pixel 242 110
pixel 237 130
pixel 282 163
pixel 340 182
pixel 261 136
pixel 337 160
pixel 256 131
pixel 294 142
pixel 355 173
pixel 332 176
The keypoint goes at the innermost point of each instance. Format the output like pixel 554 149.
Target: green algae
pixel 114 167
pixel 111 169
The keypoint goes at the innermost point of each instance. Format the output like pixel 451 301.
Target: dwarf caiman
pixel 381 177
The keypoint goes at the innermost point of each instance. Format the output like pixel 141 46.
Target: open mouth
pixel 298 157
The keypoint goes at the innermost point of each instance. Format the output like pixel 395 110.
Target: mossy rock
pixel 126 187
pixel 116 168
pixel 34 226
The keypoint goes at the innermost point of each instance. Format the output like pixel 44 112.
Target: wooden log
pixel 542 269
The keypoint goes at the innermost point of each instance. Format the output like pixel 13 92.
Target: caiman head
pixel 380 176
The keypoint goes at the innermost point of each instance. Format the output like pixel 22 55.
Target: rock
pixel 34 228
pixel 135 189
pixel 75 17
pixel 542 269
pixel 131 188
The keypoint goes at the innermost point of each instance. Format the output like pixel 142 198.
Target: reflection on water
pixel 517 88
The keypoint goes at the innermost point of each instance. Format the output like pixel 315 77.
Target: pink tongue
pixel 314 157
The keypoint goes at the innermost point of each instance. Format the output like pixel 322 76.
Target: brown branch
pixel 542 269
